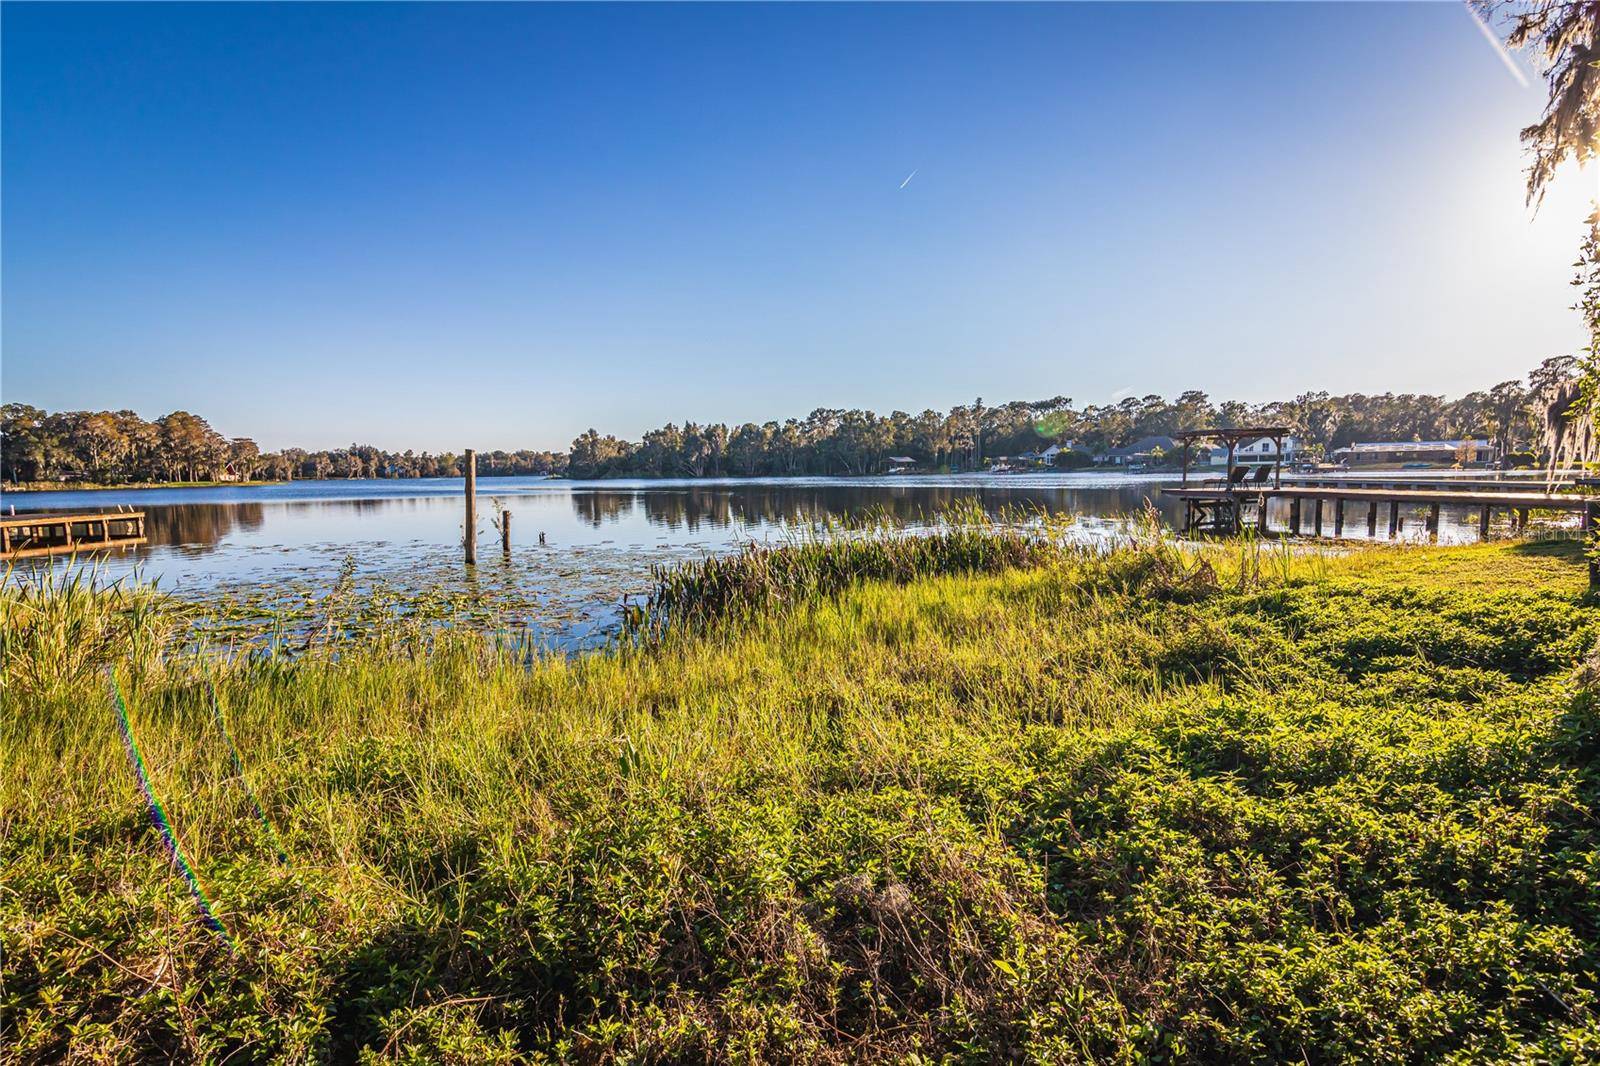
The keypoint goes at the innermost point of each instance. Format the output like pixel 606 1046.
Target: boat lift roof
pixel 1236 433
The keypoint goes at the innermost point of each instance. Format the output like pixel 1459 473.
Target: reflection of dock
pixel 25 536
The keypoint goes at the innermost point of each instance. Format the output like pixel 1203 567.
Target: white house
pixel 1265 450
pixel 1046 456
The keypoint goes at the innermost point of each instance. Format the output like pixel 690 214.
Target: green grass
pixel 1259 806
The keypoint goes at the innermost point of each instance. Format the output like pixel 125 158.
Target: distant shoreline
pixel 25 487
pixel 28 487
pixel 80 486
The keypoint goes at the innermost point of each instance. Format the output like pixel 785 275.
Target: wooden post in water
pixel 470 541
pixel 1316 517
pixel 1394 518
pixel 1483 523
pixel 1338 517
pixel 1433 524
pixel 505 531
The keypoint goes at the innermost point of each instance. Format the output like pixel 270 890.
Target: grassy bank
pixel 1121 808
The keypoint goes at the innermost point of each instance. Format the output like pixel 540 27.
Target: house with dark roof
pixel 1141 452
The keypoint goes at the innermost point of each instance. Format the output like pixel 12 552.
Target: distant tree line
pixel 119 447
pixel 829 441
pixel 114 447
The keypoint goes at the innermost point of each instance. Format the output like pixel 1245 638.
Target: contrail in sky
pixel 1500 49
pixel 909 176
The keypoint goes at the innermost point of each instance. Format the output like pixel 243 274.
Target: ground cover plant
pixel 1146 805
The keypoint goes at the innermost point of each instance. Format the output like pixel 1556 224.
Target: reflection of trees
pixel 717 507
pixel 200 528
pixel 199 525
pixel 597 508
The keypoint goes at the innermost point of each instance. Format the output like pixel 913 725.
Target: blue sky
pixel 446 226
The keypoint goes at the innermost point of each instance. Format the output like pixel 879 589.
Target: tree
pixel 596 456
pixel 28 447
pixel 1564 36
pixel 96 442
pixel 244 456
pixel 747 449
pixel 1508 413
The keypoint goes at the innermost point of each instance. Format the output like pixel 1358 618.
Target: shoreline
pixel 33 487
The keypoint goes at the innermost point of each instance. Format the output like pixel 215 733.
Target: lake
pixel 281 546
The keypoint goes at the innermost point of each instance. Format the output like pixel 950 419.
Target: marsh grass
pixel 60 627
pixel 954 802
pixel 763 577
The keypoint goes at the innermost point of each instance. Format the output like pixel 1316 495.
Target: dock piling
pixel 505 531
pixel 470 540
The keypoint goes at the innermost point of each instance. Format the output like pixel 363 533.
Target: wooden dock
pixel 1398 481
pixel 1223 509
pixel 27 536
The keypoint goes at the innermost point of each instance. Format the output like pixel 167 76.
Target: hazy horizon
pixel 434 227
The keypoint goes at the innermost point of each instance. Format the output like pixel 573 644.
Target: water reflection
pixel 764 505
pixel 208 535
pixel 199 528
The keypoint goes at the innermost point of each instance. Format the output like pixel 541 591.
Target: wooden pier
pixel 26 536
pixel 1224 508
pixel 1319 505
pixel 1425 481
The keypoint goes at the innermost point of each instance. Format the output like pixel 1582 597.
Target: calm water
pixel 289 543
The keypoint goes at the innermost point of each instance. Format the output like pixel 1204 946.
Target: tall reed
pixel 825 560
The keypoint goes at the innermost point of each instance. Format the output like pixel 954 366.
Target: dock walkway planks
pixel 31 535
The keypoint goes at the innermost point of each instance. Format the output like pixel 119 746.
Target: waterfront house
pixel 1140 452
pixel 1392 453
pixel 1264 450
pixel 1045 456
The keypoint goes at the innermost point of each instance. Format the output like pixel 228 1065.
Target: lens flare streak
pixel 163 824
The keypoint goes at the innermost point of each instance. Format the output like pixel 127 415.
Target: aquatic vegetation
pixel 61 627
pixel 1150 803
pixel 822 561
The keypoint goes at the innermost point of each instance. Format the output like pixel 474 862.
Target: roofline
pixel 1241 433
